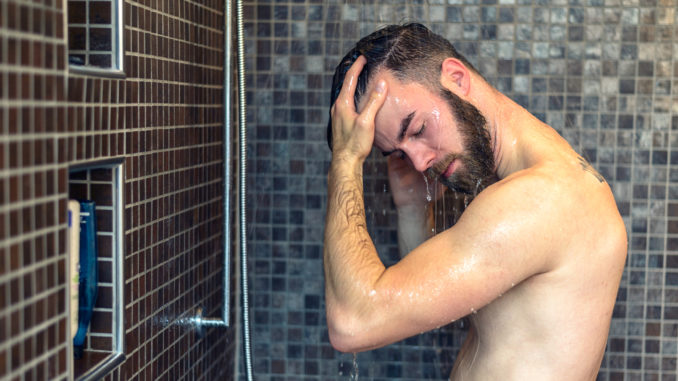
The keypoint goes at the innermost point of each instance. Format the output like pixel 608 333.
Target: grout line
pixel 18 205
pixel 175 39
pixel 37 360
pixel 34 330
pixel 177 18
pixel 191 64
pixel 29 236
pixel 131 278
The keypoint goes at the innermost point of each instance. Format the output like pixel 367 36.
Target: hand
pixel 408 186
pixel 353 133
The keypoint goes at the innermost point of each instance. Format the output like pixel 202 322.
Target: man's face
pixel 419 126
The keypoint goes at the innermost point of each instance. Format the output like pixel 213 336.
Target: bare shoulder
pixel 551 206
pixel 566 187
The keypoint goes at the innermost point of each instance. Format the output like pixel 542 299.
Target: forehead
pixel 402 99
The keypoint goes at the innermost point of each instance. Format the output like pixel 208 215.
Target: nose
pixel 421 158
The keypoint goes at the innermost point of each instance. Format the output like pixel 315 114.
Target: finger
pixel 347 92
pixel 377 99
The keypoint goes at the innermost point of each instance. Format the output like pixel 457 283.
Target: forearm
pixel 352 266
pixel 415 225
pixel 351 260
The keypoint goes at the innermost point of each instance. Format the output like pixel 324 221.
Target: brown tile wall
pixel 164 121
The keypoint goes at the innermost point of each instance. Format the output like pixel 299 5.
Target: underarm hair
pixel 588 168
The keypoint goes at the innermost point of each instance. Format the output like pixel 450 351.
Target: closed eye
pixel 398 153
pixel 421 130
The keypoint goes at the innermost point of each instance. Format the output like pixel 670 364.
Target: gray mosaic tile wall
pixel 602 72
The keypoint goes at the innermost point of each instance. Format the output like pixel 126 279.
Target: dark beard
pixel 476 171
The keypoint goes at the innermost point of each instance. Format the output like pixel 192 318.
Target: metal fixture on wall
pixel 198 321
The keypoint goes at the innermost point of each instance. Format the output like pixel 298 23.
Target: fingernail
pixel 381 85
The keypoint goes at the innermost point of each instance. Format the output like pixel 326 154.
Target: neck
pixel 508 124
pixel 499 111
pixel 514 130
pixel 515 133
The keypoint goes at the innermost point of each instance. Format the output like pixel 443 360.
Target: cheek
pixel 446 138
pixel 437 137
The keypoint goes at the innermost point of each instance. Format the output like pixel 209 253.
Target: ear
pixel 455 76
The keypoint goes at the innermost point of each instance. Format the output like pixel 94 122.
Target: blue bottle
pixel 87 291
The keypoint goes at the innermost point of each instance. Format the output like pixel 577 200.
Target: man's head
pixel 413 57
pixel 411 52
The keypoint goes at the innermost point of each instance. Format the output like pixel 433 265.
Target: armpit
pixel 588 168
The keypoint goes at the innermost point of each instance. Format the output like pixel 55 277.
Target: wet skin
pixel 421 128
pixel 536 258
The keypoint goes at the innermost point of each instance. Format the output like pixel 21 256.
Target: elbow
pixel 346 332
pixel 341 342
pixel 356 323
pixel 342 333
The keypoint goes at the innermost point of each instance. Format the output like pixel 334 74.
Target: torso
pixel 554 325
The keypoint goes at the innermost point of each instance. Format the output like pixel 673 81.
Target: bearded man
pixel 535 259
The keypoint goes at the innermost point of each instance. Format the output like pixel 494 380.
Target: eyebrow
pixel 403 129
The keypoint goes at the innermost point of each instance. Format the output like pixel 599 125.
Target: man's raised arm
pixel 352 265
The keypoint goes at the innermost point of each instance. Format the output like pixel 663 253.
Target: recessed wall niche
pixel 95 35
pixel 101 184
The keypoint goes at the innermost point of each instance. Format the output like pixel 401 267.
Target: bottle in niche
pixel 87 290
pixel 73 261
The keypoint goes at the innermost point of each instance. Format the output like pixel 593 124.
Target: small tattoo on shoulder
pixel 588 168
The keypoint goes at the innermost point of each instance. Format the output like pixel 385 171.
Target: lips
pixel 444 168
pixel 450 169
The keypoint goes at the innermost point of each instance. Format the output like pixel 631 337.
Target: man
pixel 535 259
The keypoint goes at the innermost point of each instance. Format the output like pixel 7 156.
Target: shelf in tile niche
pixel 95 268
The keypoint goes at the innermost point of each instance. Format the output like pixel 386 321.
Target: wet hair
pixel 411 52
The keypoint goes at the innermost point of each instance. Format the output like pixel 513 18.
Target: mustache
pixel 439 168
